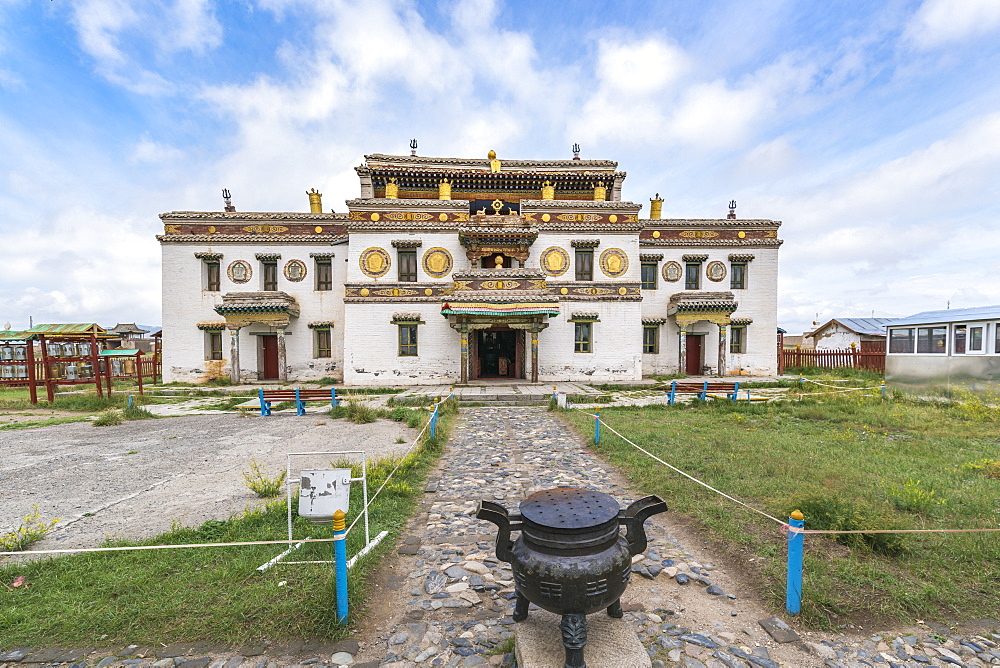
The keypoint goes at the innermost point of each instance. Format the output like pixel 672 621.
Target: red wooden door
pixel 269 357
pixel 692 363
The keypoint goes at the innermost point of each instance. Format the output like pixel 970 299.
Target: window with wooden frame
pixel 584 264
pixel 213 345
pixel 738 276
pixel 648 275
pixel 582 335
pixel 407 340
pixel 322 342
pixel 692 276
pixel 650 339
pixel 213 276
pixel 738 339
pixel 324 274
pixel 407 264
pixel 269 275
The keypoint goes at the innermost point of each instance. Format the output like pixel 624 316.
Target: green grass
pixel 848 461
pixel 44 422
pixel 212 594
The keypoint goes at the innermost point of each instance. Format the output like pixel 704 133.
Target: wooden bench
pixel 702 389
pixel 299 395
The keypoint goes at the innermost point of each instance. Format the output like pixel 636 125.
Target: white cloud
pixel 149 151
pixel 939 22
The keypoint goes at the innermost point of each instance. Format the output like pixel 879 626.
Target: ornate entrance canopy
pixel 489 234
pixel 274 309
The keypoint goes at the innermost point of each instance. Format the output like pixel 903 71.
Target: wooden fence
pixel 832 359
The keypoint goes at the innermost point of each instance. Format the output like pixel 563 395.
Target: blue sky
pixel 871 129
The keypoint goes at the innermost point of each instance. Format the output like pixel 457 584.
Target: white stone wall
pixel 186 303
pixel 758 300
pixel 616 344
pixel 372 345
pixel 836 337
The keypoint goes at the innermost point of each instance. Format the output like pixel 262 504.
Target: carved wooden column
pixel 282 366
pixel 464 333
pixel 234 355
pixel 682 348
pixel 723 344
pixel 534 352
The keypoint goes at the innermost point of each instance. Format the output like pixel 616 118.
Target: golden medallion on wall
pixel 437 262
pixel 555 261
pixel 375 262
pixel 716 271
pixel 672 271
pixel 614 262
pixel 546 217
pixel 318 229
pixel 295 270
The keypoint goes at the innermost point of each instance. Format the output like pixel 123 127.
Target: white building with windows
pixel 939 351
pixel 449 270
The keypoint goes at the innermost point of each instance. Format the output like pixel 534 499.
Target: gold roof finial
pixel 655 207
pixel 494 163
pixel 315 201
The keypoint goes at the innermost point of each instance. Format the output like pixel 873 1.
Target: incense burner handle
pixel 494 512
pixel 634 518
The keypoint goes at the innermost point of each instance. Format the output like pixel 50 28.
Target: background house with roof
pixel 941 351
pixel 841 333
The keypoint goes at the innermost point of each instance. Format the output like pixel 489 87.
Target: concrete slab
pixel 611 643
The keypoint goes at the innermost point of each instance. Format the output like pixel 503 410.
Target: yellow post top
pixel 655 207
pixel 600 192
pixel 392 189
pixel 797 515
pixel 548 190
pixel 339 523
pixel 315 201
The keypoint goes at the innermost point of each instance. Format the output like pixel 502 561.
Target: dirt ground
pixel 137 479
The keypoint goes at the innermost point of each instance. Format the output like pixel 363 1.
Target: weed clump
pixel 31 530
pixel 262 484
pixel 109 417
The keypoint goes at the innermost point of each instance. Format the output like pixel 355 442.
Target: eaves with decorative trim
pixel 740 257
pixel 208 256
pixel 741 320
pixel 211 326
pixel 264 257
pixel 321 256
pixel 239 217
pixel 321 324
pixel 585 243
pixel 688 223
pixel 703 243
pixel 407 243
pixel 650 257
pixel 584 317
pixel 695 257
pixel 653 321
pixel 216 239
pixel 407 319
pixel 569 205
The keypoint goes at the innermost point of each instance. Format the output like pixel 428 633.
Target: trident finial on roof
pixel 413 147
pixel 732 209
pixel 227 198
pixel 576 151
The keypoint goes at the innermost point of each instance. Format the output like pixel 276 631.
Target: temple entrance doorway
pixel 692 362
pixel 498 353
pixel 269 368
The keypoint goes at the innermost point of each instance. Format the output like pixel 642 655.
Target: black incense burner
pixel 571 557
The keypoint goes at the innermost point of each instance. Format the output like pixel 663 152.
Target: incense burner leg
pixel 615 610
pixel 574 633
pixel 520 608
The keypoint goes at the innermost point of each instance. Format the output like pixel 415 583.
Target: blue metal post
pixel 340 562
pixel 433 415
pixel 597 427
pixel 300 406
pixel 333 397
pixel 130 396
pixel 793 591
pixel 883 388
